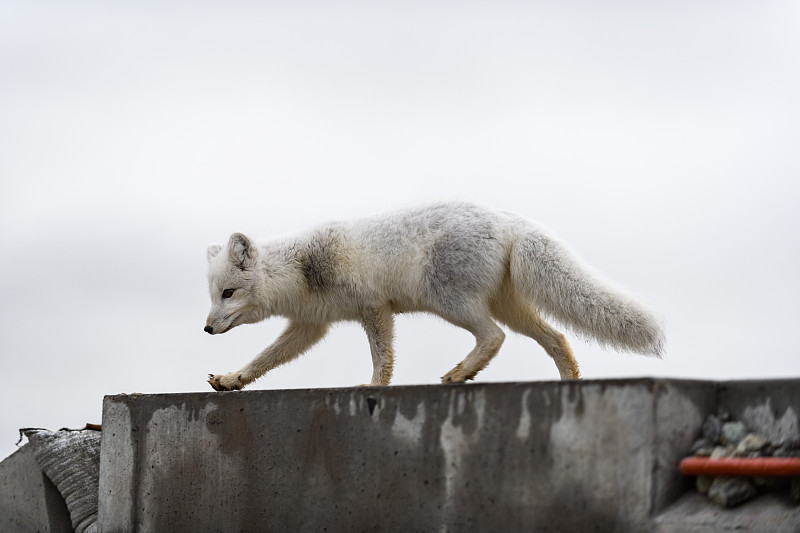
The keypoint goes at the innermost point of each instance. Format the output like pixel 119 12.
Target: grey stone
pixel 704 452
pixel 712 427
pixel 788 448
pixel 701 447
pixel 793 443
pixel 731 491
pixel 751 446
pixel 786 451
pixel 722 451
pixel 733 432
pixel 703 483
pixel 794 489
pixel 766 482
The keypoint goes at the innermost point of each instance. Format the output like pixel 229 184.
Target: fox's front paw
pixel 225 382
pixel 457 375
pixel 452 378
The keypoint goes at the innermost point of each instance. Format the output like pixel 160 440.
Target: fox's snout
pixel 209 329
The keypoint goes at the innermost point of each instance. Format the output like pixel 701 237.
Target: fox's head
pixel 234 281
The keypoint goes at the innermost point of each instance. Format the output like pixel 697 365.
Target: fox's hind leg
pixel 523 318
pixel 488 336
pixel 378 323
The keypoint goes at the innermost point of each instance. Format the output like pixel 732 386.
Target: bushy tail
pixel 544 270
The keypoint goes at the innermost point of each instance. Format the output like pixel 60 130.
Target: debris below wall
pixel 722 437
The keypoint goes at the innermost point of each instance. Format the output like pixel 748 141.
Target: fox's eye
pixel 227 293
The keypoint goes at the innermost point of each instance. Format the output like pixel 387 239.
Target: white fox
pixel 469 265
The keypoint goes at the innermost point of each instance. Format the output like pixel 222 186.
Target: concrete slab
pixel 563 456
pixel 768 513
pixel 29 502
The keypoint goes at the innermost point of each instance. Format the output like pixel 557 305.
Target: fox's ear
pixel 213 250
pixel 241 251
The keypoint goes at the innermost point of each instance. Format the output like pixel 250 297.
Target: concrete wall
pixel 29 502
pixel 580 456
pixel 574 456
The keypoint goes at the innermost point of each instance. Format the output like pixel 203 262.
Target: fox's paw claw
pixel 225 382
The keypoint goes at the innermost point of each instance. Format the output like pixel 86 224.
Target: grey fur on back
pixel 468 249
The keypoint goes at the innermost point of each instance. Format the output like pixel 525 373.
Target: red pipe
pixel 734 466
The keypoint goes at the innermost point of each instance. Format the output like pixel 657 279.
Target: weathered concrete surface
pixel 572 456
pixel 29 502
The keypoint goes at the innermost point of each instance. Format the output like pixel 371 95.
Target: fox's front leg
pixel 378 322
pixel 296 339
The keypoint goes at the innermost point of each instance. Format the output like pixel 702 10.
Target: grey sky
pixel 660 140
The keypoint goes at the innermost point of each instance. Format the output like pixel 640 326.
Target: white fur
pixel 469 265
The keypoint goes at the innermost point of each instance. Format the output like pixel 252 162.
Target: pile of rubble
pixel 725 438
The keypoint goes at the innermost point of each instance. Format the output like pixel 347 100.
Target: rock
pixel 787 448
pixel 712 426
pixel 792 442
pixel 704 452
pixel 703 483
pixel 785 451
pixel 794 489
pixel 731 491
pixel 766 482
pixel 702 448
pixel 722 451
pixel 751 446
pixel 732 433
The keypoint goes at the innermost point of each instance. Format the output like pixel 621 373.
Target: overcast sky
pixel 659 139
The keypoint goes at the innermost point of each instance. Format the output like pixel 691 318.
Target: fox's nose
pixel 208 329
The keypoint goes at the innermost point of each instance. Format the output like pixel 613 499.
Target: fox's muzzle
pixel 209 329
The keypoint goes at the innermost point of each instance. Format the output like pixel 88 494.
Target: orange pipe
pixel 734 466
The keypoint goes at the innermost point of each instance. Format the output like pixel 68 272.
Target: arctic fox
pixel 469 265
